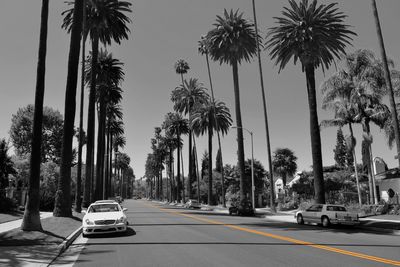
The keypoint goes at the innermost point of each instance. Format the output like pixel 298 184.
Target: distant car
pixel 119 199
pixel 327 214
pixel 245 207
pixel 104 217
pixel 192 204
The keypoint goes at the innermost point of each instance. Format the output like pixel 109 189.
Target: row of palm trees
pixel 103 21
pixel 311 33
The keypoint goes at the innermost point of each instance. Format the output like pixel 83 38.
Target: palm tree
pixel 181 67
pixel 388 80
pixel 31 219
pixel 105 21
pixel 118 142
pixel 314 35
pixel 109 76
pixel 185 97
pixel 231 41
pixel 62 205
pixel 210 117
pixel 176 125
pixel 284 163
pixel 203 49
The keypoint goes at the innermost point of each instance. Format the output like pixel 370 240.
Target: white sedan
pixel 104 217
pixel 327 214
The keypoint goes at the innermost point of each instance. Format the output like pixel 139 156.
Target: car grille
pixel 104 222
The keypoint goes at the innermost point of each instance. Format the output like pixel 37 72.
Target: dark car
pixel 245 208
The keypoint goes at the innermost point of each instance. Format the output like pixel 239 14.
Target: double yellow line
pixel 288 239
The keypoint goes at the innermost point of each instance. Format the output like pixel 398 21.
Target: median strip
pixel 288 239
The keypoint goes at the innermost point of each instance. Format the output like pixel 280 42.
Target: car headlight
pixel 121 220
pixel 89 222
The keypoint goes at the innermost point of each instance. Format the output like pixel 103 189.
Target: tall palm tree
pixel 203 49
pixel 231 41
pixel 62 205
pixel 315 35
pixel 393 110
pixel 118 142
pixel 284 163
pixel 109 76
pixel 210 117
pixel 31 219
pixel 105 21
pixel 185 97
pixel 176 125
pixel 115 127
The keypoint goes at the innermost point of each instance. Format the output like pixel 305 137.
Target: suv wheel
pixel 325 221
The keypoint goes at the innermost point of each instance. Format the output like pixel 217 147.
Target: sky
pixel 163 32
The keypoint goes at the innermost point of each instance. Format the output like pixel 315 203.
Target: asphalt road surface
pixel 169 236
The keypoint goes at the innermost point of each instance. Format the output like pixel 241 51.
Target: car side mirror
pixel 124 209
pixel 84 211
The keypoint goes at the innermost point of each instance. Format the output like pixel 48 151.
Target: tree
pixel 52 130
pixel 31 219
pixel 185 98
pixel 314 35
pixel 340 149
pixel 181 67
pixel 284 163
pixel 210 117
pixel 231 41
pixel 6 165
pixel 62 206
pixel 105 21
pixel 109 76
pixel 393 109
pixel 176 125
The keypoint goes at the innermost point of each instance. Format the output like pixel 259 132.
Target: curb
pixel 66 243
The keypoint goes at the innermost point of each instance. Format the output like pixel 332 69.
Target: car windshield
pixel 104 208
pixel 335 208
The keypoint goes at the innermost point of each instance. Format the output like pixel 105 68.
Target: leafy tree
pixel 284 163
pixel 6 164
pixel 314 35
pixel 31 219
pixel 233 40
pixel 49 176
pixel 52 131
pixel 340 149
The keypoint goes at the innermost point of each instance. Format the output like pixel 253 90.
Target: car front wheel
pixel 325 221
pixel 300 219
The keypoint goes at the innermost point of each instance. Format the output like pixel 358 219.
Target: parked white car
pixel 104 217
pixel 327 214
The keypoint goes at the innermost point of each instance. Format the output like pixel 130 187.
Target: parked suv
pixel 245 208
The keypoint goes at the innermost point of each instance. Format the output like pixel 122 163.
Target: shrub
pixel 7 204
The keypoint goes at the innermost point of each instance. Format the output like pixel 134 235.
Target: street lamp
pixel 252 165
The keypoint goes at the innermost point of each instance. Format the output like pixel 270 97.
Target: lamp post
pixel 252 165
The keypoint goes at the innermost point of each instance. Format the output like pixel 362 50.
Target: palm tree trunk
pixel 89 196
pixel 31 220
pixel 190 172
pixel 78 199
pixel 197 170
pixel 110 149
pixel 62 205
pixel 183 179
pixel 210 174
pixel 372 188
pixel 271 177
pixel 106 163
pixel 243 194
pixel 388 80
pixel 178 177
pixel 355 164
pixel 315 137
pixel 100 151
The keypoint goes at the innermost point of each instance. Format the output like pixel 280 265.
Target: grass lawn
pixel 55 231
pixel 11 216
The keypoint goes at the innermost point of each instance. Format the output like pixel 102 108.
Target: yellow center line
pixel 288 239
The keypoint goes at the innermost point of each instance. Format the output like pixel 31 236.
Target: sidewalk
pixel 19 248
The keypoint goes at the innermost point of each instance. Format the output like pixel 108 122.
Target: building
pixel 387 182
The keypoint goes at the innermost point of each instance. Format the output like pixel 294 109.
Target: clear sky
pixel 164 31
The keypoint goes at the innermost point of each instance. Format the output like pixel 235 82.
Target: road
pixel 170 236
